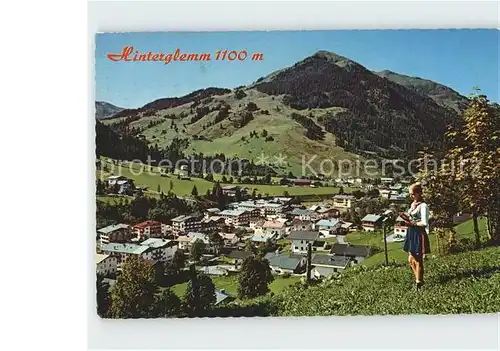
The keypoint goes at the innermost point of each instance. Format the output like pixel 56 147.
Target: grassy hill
pixel 395 251
pixel 286 137
pixel 466 282
pixel 462 283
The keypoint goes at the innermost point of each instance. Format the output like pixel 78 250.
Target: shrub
pixel 252 106
pixel 239 94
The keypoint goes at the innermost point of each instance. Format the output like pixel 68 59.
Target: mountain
pixel 379 115
pixel 325 107
pixel 105 110
pixel 441 94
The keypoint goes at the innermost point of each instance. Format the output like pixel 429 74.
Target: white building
pixel 185 223
pixel 149 229
pixel 326 265
pixel 275 227
pixel 105 264
pixel 386 180
pixel 344 202
pixel 371 222
pixel 304 215
pixel 328 226
pixel 160 249
pixel 183 242
pixel 400 227
pixel 153 249
pixel 115 233
pixel 238 217
pixel 300 225
pixel 264 206
pixel 300 239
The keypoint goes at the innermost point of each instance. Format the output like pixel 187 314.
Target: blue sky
pixel 460 59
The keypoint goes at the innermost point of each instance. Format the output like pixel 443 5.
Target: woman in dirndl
pixel 417 236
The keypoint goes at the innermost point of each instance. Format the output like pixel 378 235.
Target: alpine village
pixel 261 234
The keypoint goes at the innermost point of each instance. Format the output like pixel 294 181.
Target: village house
pixel 327 212
pixel 198 236
pixel 386 180
pixel 238 217
pixel 256 224
pixel 261 239
pixel 298 224
pixel 357 253
pixel 275 227
pixel 344 202
pixel 211 224
pixel 149 229
pixel 264 207
pixel 209 212
pixel 397 198
pixel 325 265
pixel 371 222
pixel 303 214
pixel 254 214
pixel 286 263
pixel 105 264
pixel 160 249
pixel 281 200
pixel 385 193
pixel 396 187
pixel 113 180
pixel 231 191
pixel 124 184
pixel 328 226
pixel 300 239
pixel 186 223
pixel 184 172
pixel 116 233
pixel 183 242
pixel 214 270
pixel 152 249
pixel 346 227
pixel 236 257
pixel 400 227
pixel 324 211
pixel 230 239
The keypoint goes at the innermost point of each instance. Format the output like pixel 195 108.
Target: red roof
pixel 148 223
pixel 301 181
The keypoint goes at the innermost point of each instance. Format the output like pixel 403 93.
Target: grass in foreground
pixel 395 251
pixel 462 283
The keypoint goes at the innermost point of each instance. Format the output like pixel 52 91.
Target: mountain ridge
pixel 440 93
pixel 325 101
pixel 104 109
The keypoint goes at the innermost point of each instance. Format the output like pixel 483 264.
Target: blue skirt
pixel 417 241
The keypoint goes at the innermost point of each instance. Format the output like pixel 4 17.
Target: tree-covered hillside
pixel 380 114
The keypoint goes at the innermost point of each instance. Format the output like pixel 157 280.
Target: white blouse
pixel 424 214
